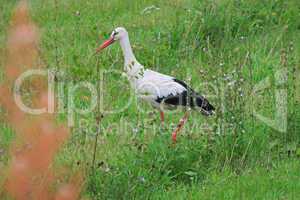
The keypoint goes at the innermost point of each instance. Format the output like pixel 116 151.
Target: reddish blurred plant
pixel 37 137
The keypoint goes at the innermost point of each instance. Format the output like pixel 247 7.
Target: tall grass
pixel 224 49
pixel 37 138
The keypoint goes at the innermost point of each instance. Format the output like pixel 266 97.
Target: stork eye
pixel 115 33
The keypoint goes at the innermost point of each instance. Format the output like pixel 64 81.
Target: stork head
pixel 117 34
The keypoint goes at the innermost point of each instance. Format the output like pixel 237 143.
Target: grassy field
pixel 243 55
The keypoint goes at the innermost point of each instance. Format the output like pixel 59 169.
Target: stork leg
pixel 179 126
pixel 162 118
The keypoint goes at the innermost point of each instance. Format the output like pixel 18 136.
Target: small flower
pixel 107 169
pixel 142 179
pixel 135 130
pixel 231 83
pixel 227 78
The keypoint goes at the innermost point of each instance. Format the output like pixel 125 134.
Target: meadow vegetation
pixel 244 56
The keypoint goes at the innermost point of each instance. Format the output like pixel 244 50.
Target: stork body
pixel 161 91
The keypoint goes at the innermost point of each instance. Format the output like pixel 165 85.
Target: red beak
pixel 105 44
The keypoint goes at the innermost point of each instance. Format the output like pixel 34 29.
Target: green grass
pixel 214 42
pixel 280 182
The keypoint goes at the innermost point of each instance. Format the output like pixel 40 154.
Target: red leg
pixel 179 126
pixel 162 117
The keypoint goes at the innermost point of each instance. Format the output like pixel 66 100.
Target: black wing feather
pixel 187 98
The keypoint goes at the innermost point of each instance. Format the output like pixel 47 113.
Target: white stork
pixel 162 91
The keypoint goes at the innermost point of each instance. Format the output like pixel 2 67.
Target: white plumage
pixel 152 85
pixel 155 87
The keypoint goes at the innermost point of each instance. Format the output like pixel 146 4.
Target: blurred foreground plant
pixel 37 137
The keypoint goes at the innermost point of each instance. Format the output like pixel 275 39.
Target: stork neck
pixel 127 50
